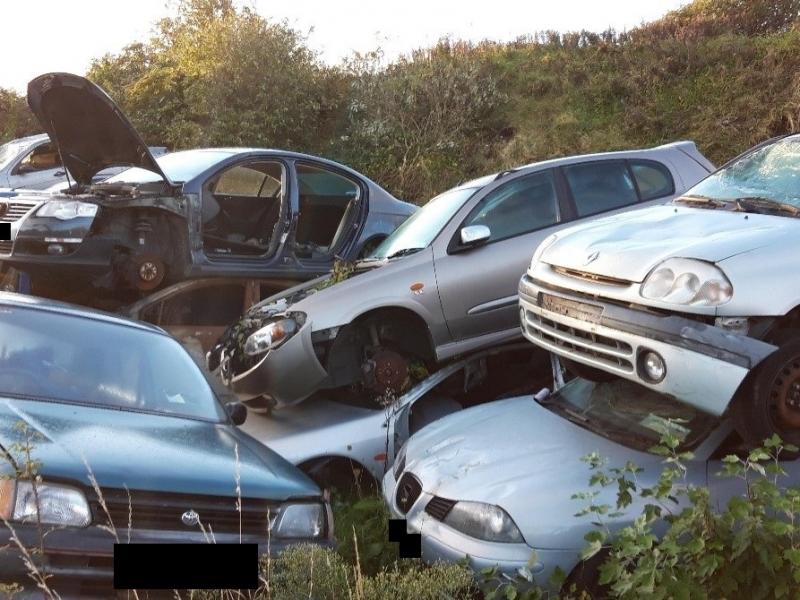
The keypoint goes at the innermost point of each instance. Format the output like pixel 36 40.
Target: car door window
pixel 328 203
pixel 242 208
pixel 42 158
pixel 599 186
pixel 652 178
pixel 521 206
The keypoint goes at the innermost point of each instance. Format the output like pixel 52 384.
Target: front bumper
pixel 75 556
pixel 441 542
pixel 287 374
pixel 705 365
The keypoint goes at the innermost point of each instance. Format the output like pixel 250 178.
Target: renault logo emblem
pixel 190 518
pixel 592 257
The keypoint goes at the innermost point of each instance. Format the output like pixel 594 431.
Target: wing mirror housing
pixel 475 235
pixel 237 412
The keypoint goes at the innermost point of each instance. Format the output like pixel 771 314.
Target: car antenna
pixel 60 157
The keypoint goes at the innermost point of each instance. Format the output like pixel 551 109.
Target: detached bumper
pixel 289 374
pixel 705 365
pixel 441 542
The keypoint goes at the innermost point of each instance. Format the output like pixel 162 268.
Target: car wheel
pixel 587 372
pixel 585 577
pixel 770 403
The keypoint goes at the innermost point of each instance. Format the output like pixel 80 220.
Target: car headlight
pixel 484 522
pixel 546 243
pixel 66 209
pixel 306 520
pixel 687 281
pixel 58 504
pixel 270 336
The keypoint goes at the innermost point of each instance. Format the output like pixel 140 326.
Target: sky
pixel 58 35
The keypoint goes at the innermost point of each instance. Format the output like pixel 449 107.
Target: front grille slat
pixel 592 277
pixel 612 353
pixel 439 507
pixel 163 511
pixel 15 211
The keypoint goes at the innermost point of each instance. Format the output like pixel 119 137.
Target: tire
pixel 585 576
pixel 769 401
pixel 586 372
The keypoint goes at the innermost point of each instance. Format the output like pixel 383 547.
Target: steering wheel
pixel 19 381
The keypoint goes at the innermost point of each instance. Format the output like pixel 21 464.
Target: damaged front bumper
pixel 705 365
pixel 287 374
pixel 87 555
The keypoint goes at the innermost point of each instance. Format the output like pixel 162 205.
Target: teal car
pixel 130 444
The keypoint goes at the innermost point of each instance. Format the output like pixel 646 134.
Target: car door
pixel 38 169
pixel 478 286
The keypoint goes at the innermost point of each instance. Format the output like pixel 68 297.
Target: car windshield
pixel 79 360
pixel 770 173
pixel 8 152
pixel 628 413
pixel 178 166
pixel 420 228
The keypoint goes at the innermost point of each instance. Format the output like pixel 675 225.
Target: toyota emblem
pixel 592 257
pixel 190 518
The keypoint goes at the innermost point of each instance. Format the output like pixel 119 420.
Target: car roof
pixel 555 162
pixel 11 299
pixel 30 139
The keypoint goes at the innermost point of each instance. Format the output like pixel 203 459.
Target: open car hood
pixel 90 130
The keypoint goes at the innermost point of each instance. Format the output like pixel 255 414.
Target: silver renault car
pixel 443 284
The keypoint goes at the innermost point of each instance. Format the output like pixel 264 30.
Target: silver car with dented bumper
pixel 495 484
pixel 443 284
pixel 697 299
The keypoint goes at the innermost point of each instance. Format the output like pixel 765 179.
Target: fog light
pixel 651 366
pixel 55 249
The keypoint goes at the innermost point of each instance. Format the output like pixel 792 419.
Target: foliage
pixel 16 120
pixel 720 72
pixel 362 530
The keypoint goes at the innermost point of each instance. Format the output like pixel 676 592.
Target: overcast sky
pixel 58 35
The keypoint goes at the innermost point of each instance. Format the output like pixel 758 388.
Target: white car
pixel 698 299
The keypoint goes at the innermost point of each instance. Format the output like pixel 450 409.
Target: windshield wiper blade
pixel 404 252
pixel 756 202
pixel 703 201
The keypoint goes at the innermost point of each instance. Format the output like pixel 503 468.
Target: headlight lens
pixel 58 504
pixel 270 336
pixel 688 282
pixel 484 522
pixel 66 209
pixel 307 520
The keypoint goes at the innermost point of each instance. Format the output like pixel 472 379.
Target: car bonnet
pixel 147 452
pixel 518 455
pixel 89 129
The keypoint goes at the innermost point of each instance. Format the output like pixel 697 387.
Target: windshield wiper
pixel 404 252
pixel 702 201
pixel 754 203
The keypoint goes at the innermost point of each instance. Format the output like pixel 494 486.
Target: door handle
pixel 59 174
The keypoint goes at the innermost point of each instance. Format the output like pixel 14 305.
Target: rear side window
pixel 600 186
pixel 521 206
pixel 653 179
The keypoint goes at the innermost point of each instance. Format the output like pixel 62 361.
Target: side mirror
pixel 237 412
pixel 475 235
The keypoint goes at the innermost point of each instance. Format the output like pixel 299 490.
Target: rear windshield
pixel 79 360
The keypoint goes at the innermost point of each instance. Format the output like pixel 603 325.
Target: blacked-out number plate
pixel 571 308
